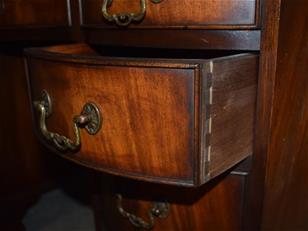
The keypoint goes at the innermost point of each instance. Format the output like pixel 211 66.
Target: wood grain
pixel 286 204
pixel 60 25
pixel 175 39
pixel 35 13
pixel 266 81
pixel 171 14
pixel 232 111
pixel 145 103
pixel 142 109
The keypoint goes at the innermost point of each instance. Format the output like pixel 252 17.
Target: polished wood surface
pixel 214 206
pixel 53 22
pixel 286 185
pixel 275 191
pixel 178 25
pixel 35 13
pixel 172 14
pixel 176 39
pixel 266 81
pixel 144 103
pixel 276 194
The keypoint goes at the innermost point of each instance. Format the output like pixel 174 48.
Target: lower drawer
pixel 215 206
pixel 174 121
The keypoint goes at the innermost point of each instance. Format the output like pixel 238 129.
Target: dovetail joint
pixel 209 103
pixel 207 128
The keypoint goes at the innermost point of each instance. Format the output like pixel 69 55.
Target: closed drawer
pixel 172 121
pixel 34 13
pixel 186 208
pixel 171 13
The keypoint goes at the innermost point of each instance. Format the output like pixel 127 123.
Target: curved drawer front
pixel 172 13
pixel 34 13
pixel 156 120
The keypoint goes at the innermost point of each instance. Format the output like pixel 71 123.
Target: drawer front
pixel 215 206
pixel 34 13
pixel 142 108
pixel 171 13
pixel 168 121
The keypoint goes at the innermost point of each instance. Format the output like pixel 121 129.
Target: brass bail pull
pixel 159 210
pixel 124 19
pixel 89 119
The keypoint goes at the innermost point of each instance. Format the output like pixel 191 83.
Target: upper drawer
pixel 171 13
pixel 174 121
pixel 34 13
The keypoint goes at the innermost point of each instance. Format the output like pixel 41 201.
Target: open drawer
pixel 171 120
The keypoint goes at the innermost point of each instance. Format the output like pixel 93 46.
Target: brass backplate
pixel 92 111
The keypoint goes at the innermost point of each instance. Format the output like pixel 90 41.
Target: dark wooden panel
pixel 34 34
pixel 286 186
pixel 266 81
pixel 18 146
pixel 24 172
pixel 180 39
pixel 171 14
pixel 1 6
pixel 214 206
pixel 35 13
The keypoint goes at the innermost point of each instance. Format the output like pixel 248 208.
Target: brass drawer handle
pixel 124 19
pixel 89 118
pixel 159 210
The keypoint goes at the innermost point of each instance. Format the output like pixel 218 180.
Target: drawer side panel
pixel 232 112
